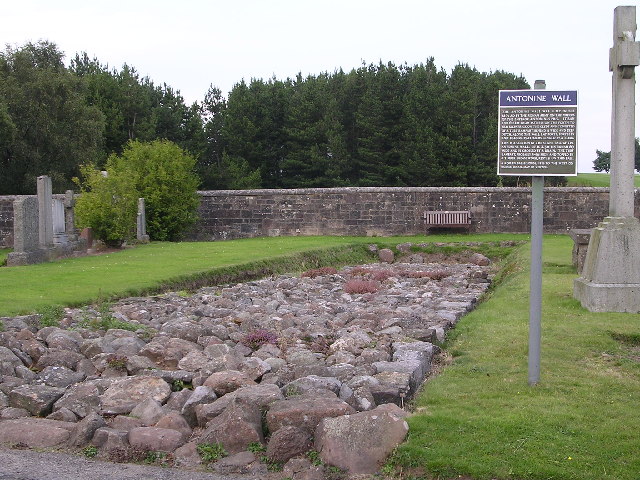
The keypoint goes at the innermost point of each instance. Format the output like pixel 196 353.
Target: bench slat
pixel 448 218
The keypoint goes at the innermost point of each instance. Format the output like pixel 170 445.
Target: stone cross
pixel 610 280
pixel 624 56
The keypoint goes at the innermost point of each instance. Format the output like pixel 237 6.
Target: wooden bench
pixel 448 219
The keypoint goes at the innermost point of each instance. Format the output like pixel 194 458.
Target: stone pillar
pixel 610 280
pixel 141 233
pixel 45 212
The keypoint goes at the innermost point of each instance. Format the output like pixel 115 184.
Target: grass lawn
pixel 480 418
pixel 152 266
pixel 595 180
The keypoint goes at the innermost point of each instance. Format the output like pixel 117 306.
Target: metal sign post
pixel 537 137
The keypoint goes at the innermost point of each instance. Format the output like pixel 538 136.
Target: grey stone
pixel 200 395
pixel 238 426
pixel 110 438
pixel 36 399
pixel 35 432
pixel 60 377
pixel 63 415
pixel 242 462
pixel 124 395
pixel 360 443
pixel 83 398
pixel 11 413
pixel 305 412
pixel 227 381
pixel 288 442
pixel 149 411
pixel 155 439
pixel 312 383
pixel 85 430
pixel 386 255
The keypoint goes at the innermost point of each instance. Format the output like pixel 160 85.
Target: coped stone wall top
pixel 341 190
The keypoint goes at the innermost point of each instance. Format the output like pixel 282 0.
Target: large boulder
pixel 38 400
pixel 124 395
pixel 227 381
pixel 155 439
pixel 238 426
pixel 83 398
pixel 305 412
pixel 288 442
pixel 35 432
pixel 360 443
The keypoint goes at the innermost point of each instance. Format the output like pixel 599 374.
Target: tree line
pixel 376 125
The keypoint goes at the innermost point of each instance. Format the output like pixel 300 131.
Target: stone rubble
pixel 291 363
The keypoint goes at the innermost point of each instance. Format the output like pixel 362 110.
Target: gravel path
pixel 33 465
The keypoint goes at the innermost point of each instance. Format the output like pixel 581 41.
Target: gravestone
pixel 26 239
pixel 57 220
pixel 610 280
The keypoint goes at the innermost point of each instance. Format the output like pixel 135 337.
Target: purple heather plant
pixel 259 337
pixel 360 286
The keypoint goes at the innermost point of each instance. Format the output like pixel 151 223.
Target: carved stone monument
pixel 610 280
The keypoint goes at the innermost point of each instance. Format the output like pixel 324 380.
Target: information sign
pixel 537 133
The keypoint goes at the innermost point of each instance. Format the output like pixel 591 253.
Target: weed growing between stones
pixel 50 316
pixel 1 326
pixel 330 472
pixel 211 452
pixel 179 385
pixel 90 451
pixel 256 447
pixel 106 320
pixel 158 458
pixel 118 362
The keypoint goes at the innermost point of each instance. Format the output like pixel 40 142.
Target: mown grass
pixel 479 417
pixel 595 180
pixel 161 266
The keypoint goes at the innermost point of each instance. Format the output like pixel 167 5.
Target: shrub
pixel 256 338
pixel 160 172
pixel 317 272
pixel 360 286
pixel 107 204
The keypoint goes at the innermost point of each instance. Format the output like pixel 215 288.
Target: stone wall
pixel 390 211
pixel 226 214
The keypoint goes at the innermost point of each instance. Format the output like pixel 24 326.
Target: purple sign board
pixel 537 133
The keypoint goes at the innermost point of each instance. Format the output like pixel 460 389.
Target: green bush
pixel 107 204
pixel 158 171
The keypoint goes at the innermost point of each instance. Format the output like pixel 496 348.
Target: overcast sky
pixel 192 44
